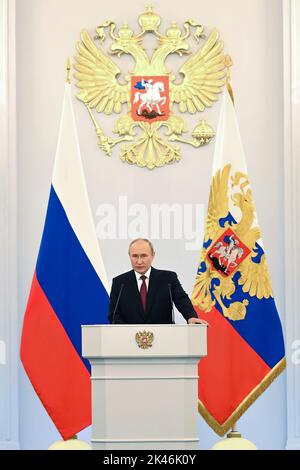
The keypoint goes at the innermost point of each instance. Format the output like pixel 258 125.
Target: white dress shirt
pixel 139 280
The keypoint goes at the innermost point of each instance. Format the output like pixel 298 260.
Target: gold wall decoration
pixel 150 95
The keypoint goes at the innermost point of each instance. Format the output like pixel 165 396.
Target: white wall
pixel 8 230
pixel 47 32
pixel 291 17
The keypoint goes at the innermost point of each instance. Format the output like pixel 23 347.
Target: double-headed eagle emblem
pixel 150 95
pixel 232 263
pixel 144 339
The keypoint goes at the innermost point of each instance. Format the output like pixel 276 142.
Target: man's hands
pixel 192 321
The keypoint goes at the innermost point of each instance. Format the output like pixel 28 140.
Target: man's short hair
pixel 143 240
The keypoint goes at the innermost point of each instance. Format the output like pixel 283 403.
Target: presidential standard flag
pixel 233 290
pixel 69 288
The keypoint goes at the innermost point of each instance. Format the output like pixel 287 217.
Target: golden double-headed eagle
pixel 150 91
pixel 231 191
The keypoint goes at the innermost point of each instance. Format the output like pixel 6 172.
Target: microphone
pixel 117 303
pixel 171 298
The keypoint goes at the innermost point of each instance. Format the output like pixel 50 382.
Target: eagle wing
pixel 218 203
pixel 97 78
pixel 255 278
pixel 203 77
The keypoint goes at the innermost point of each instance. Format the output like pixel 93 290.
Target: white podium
pixel 144 396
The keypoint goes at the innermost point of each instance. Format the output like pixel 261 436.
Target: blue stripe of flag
pixel 261 328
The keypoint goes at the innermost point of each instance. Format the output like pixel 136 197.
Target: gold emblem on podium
pixel 150 95
pixel 144 339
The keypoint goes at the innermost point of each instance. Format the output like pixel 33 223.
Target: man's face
pixel 141 256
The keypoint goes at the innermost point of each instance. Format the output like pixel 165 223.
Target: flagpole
pixel 68 78
pixel 234 441
pixel 234 432
pixel 228 64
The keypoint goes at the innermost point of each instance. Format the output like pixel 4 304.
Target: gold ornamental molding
pixel 150 96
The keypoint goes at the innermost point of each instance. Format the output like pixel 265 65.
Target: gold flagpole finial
pixel 228 64
pixel 68 80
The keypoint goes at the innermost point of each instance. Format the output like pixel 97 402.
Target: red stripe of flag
pixel 57 372
pixel 231 369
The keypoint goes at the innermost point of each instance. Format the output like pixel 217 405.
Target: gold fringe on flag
pixel 221 429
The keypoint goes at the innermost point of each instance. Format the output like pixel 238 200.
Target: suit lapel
pixel 152 288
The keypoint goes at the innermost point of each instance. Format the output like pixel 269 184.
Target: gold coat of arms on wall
pixel 149 97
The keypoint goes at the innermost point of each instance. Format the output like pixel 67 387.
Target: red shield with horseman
pixel 227 253
pixel 150 98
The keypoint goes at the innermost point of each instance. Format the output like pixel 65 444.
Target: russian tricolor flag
pixel 69 288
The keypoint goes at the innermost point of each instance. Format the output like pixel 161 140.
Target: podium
pixel 144 385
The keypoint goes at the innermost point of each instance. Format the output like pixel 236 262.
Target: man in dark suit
pixel 146 294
